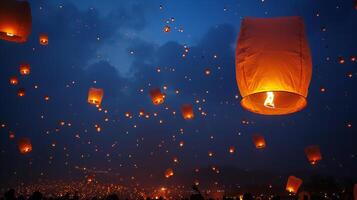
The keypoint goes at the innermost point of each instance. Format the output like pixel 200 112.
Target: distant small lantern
pixel 293 184
pixel 24 145
pixel 15 20
pixel 259 141
pixel 157 97
pixel 14 80
pixel 21 92
pixel 95 96
pixel 167 29
pixel 11 135
pixel 232 150
pixel 43 39
pixel 169 173
pixel 273 65
pixel 25 69
pixel 187 112
pixel 313 154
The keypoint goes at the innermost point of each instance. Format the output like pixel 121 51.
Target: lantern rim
pixel 287 102
pixel 13 38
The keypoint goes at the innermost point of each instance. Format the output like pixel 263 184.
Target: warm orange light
pixel 43 39
pixel 167 29
pixel 187 112
pixel 14 80
pixel 21 92
pixel 293 184
pixel 15 20
pixel 273 71
pixel 24 145
pixel 313 154
pixel 25 69
pixel 169 173
pixel 157 97
pixel 95 96
pixel 232 150
pixel 259 141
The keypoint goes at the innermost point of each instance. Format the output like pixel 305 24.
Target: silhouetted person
pixel 247 196
pixel 10 195
pixel 198 195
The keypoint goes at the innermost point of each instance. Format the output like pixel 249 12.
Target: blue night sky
pixel 119 45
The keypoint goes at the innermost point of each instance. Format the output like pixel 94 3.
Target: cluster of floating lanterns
pixel 268 83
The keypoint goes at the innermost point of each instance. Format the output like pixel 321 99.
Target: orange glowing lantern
pixel 273 65
pixel 157 97
pixel 24 145
pixel 21 92
pixel 95 96
pixel 187 112
pixel 15 20
pixel 169 173
pixel 43 39
pixel 259 141
pixel 14 80
pixel 11 135
pixel 232 150
pixel 313 154
pixel 167 29
pixel 293 184
pixel 25 69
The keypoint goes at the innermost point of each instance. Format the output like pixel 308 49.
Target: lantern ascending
pixel 25 69
pixel 273 65
pixel 21 92
pixel 313 154
pixel 157 97
pixel 24 145
pixel 43 39
pixel 14 80
pixel 259 141
pixel 293 184
pixel 169 172
pixel 95 96
pixel 187 111
pixel 15 20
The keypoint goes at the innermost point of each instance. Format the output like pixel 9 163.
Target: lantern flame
pixel 269 101
pixel 10 34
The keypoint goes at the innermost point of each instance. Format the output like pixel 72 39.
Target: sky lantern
pixel 15 20
pixel 21 92
pixel 293 184
pixel 169 173
pixel 157 97
pixel 259 141
pixel 167 29
pixel 273 65
pixel 24 145
pixel 313 154
pixel 11 135
pixel 43 39
pixel 14 80
pixel 95 96
pixel 25 69
pixel 187 111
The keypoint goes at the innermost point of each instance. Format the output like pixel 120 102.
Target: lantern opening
pixel 10 34
pixel 274 102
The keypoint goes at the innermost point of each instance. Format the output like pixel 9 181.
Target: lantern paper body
pixel 14 80
pixel 259 141
pixel 273 65
pixel 25 69
pixel 24 145
pixel 157 97
pixel 187 112
pixel 293 184
pixel 21 92
pixel 313 154
pixel 169 172
pixel 95 96
pixel 43 39
pixel 15 20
